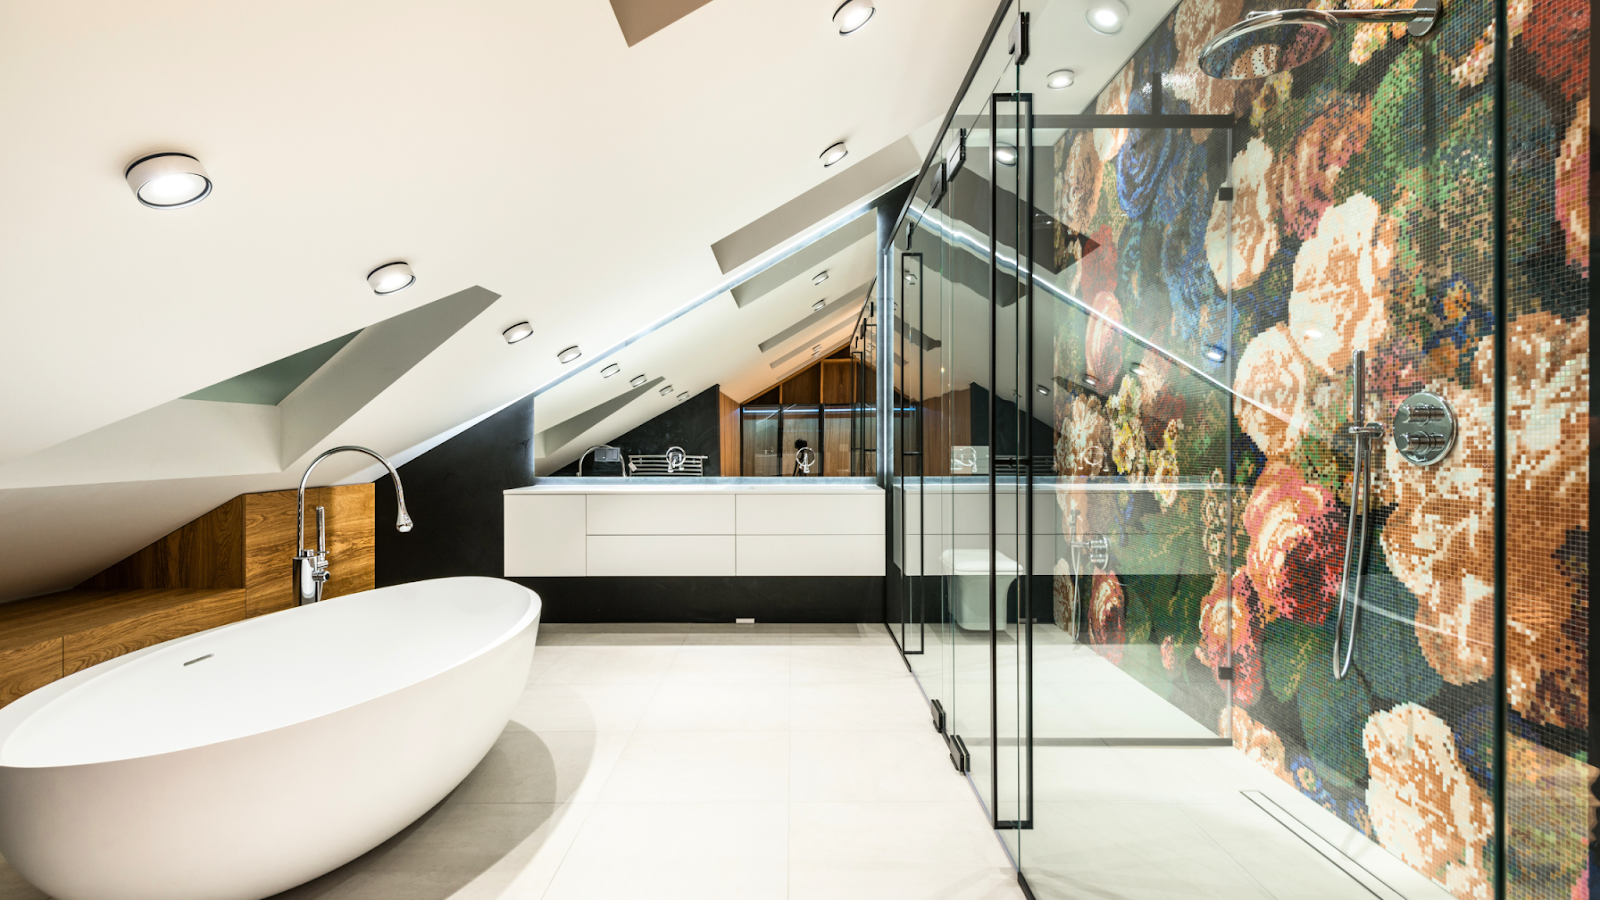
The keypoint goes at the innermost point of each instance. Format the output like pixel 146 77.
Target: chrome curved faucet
pixel 311 567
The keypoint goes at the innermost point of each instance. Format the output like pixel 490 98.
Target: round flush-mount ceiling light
pixel 391 277
pixel 683 396
pixel 1005 154
pixel 817 306
pixel 168 180
pixel 517 332
pixel 610 370
pixel 833 154
pixel 666 390
pixel 569 354
pixel 820 277
pixel 1107 16
pixel 638 381
pixel 1060 78
pixel 852 14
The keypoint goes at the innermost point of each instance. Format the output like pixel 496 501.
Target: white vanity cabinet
pixel 705 527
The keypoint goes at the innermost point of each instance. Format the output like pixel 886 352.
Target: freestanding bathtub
pixel 239 762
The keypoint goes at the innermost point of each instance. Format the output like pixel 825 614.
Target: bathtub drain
pixel 197 659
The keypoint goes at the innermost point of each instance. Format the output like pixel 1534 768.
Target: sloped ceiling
pixel 522 148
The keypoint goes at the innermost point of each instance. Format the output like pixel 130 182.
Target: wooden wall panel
pixel 269 543
pixel 208 609
pixel 28 668
pixel 728 427
pixel 804 387
pixel 838 381
pixel 206 553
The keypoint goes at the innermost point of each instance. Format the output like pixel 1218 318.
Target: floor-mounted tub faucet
pixel 311 567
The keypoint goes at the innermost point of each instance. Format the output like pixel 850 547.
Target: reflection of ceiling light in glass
pixel 1005 155
pixel 517 332
pixel 168 180
pixel 852 14
pixel 820 277
pixel 1140 370
pixel 1090 380
pixel 1060 78
pixel 569 354
pixel 391 277
pixel 911 277
pixel 1041 389
pixel 666 390
pixel 1106 16
pixel 817 306
pixel 1216 354
pixel 610 370
pixel 833 154
pixel 638 381
pixel 1313 334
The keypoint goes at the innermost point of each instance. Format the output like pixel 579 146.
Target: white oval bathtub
pixel 239 762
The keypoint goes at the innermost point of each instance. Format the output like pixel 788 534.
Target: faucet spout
pixel 311 566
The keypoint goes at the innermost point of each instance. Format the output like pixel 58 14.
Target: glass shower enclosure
pixel 1230 561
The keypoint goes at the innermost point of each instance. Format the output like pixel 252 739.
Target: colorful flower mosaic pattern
pixel 1362 218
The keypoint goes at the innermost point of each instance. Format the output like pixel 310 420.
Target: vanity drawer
pixel 660 554
pixel 660 514
pixel 544 535
pixel 811 514
pixel 810 554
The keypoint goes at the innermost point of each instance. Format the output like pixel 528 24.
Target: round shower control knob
pixel 1424 428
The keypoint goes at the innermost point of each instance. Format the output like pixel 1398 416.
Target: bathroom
pixel 1110 449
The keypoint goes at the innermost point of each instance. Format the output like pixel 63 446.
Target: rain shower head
pixel 1270 41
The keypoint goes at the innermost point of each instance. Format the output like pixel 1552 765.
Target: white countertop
pixel 560 485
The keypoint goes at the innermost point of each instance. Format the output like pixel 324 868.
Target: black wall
pixel 692 425
pixel 454 493
pixel 710 598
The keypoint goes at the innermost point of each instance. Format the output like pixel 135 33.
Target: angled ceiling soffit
pixel 850 301
pixel 369 364
pixel 861 181
pixel 269 384
pixel 639 19
pixel 800 263
pixel 832 334
pixel 552 439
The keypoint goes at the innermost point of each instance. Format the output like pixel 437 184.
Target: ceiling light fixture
pixel 1140 370
pixel 1216 354
pixel 1060 78
pixel 1005 154
pixel 569 354
pixel 1090 380
pixel 391 277
pixel 1107 16
pixel 666 390
pixel 833 154
pixel 911 277
pixel 517 332
pixel 638 381
pixel 683 396
pixel 817 306
pixel 852 14
pixel 820 277
pixel 1313 334
pixel 1041 389
pixel 168 180
pixel 610 370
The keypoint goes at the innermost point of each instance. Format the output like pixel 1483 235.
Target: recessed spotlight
pixel 638 381
pixel 569 354
pixel 1041 389
pixel 391 277
pixel 168 180
pixel 666 390
pixel 852 14
pixel 1216 354
pixel 1005 154
pixel 1090 380
pixel 1139 370
pixel 1060 78
pixel 610 370
pixel 820 277
pixel 517 332
pixel 817 306
pixel 833 154
pixel 683 396
pixel 816 350
pixel 1107 16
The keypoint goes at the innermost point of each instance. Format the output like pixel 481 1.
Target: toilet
pixel 969 592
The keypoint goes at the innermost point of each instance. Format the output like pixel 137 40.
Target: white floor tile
pixel 730 664
pixel 880 706
pixel 701 766
pixel 829 883
pixel 718 707
pixel 866 836
pixel 553 767
pixel 872 766
pixel 582 707
pixel 677 851
pixel 846 663
pixel 610 664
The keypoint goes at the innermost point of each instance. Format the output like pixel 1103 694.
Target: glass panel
pixel 802 431
pixel 759 441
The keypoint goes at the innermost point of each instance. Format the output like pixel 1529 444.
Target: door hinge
pixel 1225 673
pixel 1018 46
pixel 959 757
pixel 1224 193
pixel 938 716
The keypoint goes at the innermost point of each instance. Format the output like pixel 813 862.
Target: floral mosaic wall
pixel 1362 218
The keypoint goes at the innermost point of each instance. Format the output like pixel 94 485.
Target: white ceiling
pixel 520 147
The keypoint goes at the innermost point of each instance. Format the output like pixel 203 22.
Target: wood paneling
pixel 28 668
pixel 210 609
pixel 838 381
pixel 229 564
pixel 728 434
pixel 804 388
pixel 206 553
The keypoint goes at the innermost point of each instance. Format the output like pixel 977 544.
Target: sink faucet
pixel 311 567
